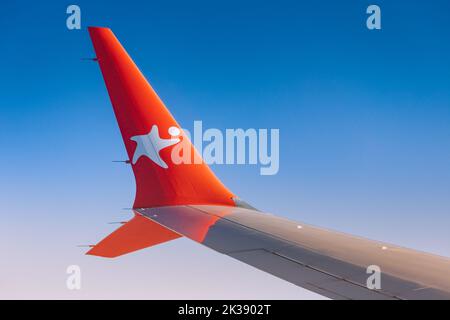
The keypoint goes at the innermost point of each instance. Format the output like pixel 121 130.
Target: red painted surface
pixel 136 234
pixel 137 108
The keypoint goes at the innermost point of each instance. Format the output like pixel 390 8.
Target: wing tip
pixel 138 233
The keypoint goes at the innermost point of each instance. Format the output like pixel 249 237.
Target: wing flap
pixel 306 276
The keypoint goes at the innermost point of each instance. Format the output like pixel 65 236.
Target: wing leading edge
pixel 330 263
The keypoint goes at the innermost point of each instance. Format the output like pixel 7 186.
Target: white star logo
pixel 150 144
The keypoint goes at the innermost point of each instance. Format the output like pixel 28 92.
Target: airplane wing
pixel 187 199
pixel 329 263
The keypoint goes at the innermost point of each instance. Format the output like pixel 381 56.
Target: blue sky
pixel 363 117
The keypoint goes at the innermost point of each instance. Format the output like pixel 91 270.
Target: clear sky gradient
pixel 364 119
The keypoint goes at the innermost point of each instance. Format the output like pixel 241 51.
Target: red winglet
pixel 144 122
pixel 136 234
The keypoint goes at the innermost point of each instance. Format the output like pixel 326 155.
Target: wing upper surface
pixel 330 263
